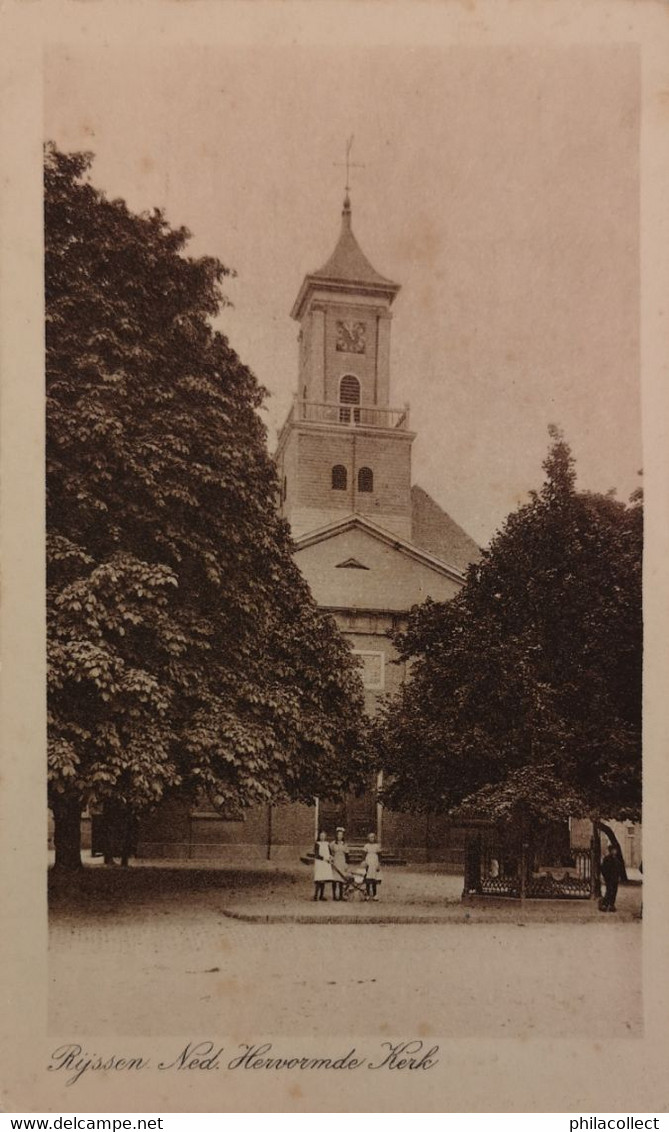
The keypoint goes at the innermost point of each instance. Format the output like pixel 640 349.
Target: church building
pixel 369 542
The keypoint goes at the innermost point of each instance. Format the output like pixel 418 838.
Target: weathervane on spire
pixel 348 163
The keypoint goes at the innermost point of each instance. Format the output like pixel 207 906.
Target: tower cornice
pixel 339 289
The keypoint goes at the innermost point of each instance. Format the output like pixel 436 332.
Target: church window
pixel 349 394
pixel 365 479
pixel 349 390
pixel 371 668
pixel 339 478
pixel 351 564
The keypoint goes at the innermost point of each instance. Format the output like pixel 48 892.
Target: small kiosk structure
pixel 518 844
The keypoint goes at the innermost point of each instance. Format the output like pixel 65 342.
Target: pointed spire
pixel 347 268
pixel 348 263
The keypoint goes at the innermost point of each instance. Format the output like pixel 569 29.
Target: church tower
pixel 343 449
pixel 370 545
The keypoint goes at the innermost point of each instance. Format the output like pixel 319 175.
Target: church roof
pixel 348 262
pixel 433 530
pixel 347 268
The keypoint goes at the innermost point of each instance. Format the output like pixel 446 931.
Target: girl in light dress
pixel 372 864
pixel 322 866
pixel 339 850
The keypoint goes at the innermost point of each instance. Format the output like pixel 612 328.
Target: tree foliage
pixel 185 649
pixel 530 792
pixel 535 664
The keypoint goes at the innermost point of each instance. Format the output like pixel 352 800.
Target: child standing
pixel 372 866
pixel 322 866
pixel 339 850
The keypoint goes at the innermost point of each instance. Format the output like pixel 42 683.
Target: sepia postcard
pixel 325 485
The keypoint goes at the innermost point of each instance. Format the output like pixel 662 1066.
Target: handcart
pixel 353 882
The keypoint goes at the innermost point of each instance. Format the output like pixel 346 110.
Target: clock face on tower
pixel 350 337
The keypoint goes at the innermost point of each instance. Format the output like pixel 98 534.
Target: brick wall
pixel 173 831
pixel 309 477
pixel 312 357
pixel 338 363
pixel 391 672
pixel 287 470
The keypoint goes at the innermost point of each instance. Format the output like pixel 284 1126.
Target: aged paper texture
pixel 511 170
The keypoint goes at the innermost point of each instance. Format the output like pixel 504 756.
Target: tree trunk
pixel 526 863
pixel 472 864
pixel 67 832
pixel 269 832
pixel 595 862
pixel 110 833
pixel 614 841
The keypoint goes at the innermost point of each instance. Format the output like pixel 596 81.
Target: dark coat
pixel 611 870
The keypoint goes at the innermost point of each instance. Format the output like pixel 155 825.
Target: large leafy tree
pixel 185 650
pixel 534 667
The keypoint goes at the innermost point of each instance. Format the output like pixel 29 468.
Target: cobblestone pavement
pixel 138 954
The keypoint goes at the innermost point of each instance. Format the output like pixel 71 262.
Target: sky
pixel 499 187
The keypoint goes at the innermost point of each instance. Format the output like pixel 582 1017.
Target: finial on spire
pixel 348 164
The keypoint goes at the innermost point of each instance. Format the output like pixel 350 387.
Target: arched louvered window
pixel 365 479
pixel 339 478
pixel 349 394
pixel 349 390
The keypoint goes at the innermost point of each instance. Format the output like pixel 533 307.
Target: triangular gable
pixel 374 531
pixel 398 575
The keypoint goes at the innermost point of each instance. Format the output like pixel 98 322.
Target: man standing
pixel 611 873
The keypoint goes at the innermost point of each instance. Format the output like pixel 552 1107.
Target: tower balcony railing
pixel 335 413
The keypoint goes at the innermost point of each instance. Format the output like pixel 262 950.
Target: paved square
pixel 159 961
